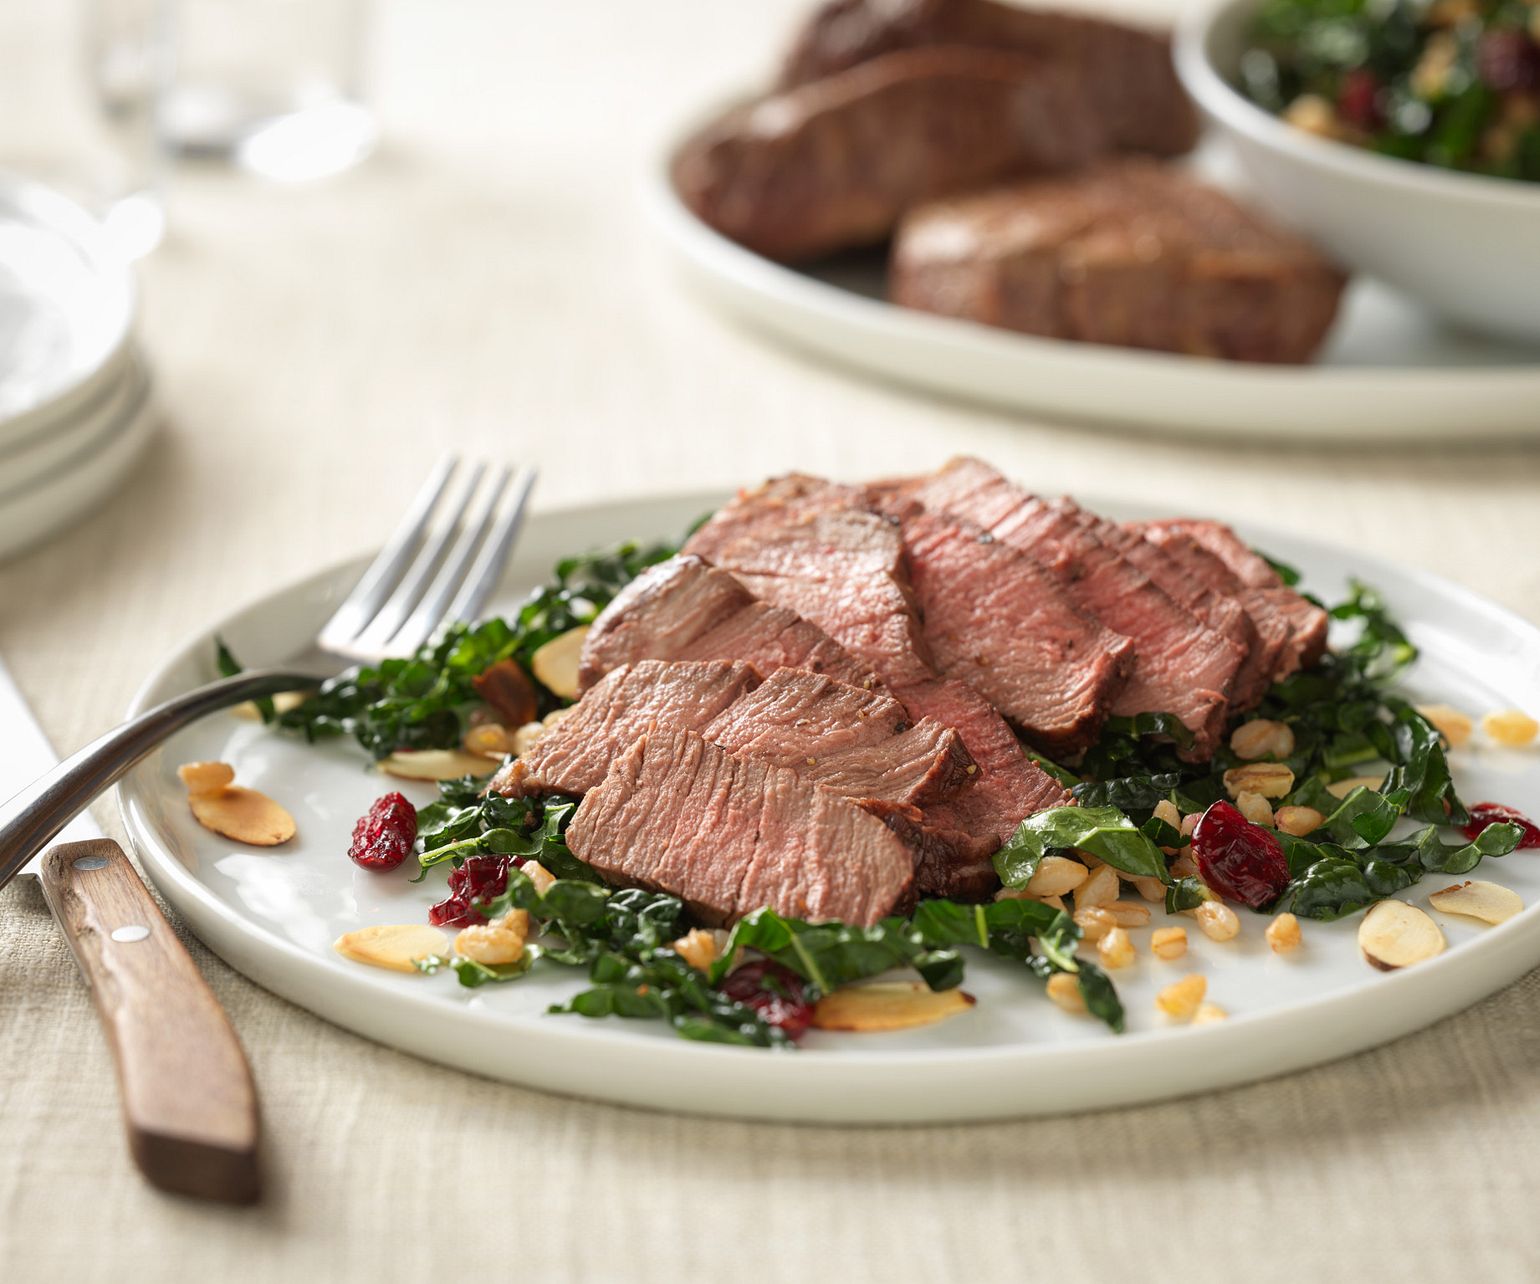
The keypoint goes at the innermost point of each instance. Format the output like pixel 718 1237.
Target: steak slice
pixel 998 620
pixel 1278 611
pixel 683 609
pixel 1180 665
pixel 574 755
pixel 812 545
pixel 728 835
pixel 1127 252
pixel 861 744
pixel 830 165
pixel 1125 74
pixel 858 743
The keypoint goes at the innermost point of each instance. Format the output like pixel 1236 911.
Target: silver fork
pixel 421 578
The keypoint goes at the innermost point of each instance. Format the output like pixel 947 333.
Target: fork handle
pixel 33 818
pixel 189 1104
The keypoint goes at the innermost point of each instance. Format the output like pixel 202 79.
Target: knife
pixel 189 1103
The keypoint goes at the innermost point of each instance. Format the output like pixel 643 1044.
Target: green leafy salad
pixel 1346 721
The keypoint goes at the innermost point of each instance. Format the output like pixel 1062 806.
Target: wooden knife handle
pixel 189 1103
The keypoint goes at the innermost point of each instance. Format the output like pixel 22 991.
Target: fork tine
pixel 419 626
pixel 488 570
pixel 384 573
pixel 399 605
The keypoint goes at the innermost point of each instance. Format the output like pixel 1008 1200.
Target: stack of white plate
pixel 75 407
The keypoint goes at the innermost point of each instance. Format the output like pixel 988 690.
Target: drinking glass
pixel 85 81
pixel 275 86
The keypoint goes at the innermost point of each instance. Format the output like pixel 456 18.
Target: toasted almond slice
pixel 395 946
pixel 888 1005
pixel 282 703
pixel 1395 934
pixel 1342 788
pixel 244 815
pixel 556 663
pixel 206 778
pixel 434 764
pixel 1489 902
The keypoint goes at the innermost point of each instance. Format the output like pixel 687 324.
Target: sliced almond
pixel 244 815
pixel 1395 935
pixel 888 1005
pixel 556 663
pixel 434 764
pixel 1342 788
pixel 395 946
pixel 1488 902
pixel 282 703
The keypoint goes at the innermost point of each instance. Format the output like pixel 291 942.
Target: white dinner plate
pixel 274 913
pixel 1390 371
pixel 66 309
pixel 45 503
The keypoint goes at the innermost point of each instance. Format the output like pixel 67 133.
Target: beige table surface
pixel 486 282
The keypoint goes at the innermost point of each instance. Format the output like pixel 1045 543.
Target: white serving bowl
pixel 1466 245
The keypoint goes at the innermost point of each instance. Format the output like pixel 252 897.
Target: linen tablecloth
pixel 487 281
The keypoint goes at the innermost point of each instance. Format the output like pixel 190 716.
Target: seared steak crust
pixel 1125 74
pixel 729 835
pixel 826 166
pixel 1128 252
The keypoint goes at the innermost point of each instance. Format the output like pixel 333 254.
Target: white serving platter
pixel 273 914
pixel 1390 371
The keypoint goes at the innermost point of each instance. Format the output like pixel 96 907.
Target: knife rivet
pixel 134 932
pixel 90 862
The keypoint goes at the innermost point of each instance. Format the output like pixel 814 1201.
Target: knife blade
pixel 189 1103
pixel 25 754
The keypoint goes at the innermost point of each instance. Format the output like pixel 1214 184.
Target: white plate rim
pixel 837 1087
pixel 717 262
pixel 57 213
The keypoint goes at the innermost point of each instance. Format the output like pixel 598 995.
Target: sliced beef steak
pixel 629 701
pixel 1277 610
pixel 825 166
pixel 1126 252
pixel 683 609
pixel 862 744
pixel 997 620
pixel 1180 665
pixel 858 743
pixel 811 546
pixel 1125 74
pixel 783 538
pixel 729 835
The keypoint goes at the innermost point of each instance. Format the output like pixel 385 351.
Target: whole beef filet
pixel 1274 605
pixel 1124 74
pixel 1179 665
pixel 1127 252
pixel 683 609
pixel 831 165
pixel 729 835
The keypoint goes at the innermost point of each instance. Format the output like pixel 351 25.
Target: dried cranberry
pixel 1358 98
pixel 774 991
pixel 1508 61
pixel 384 835
pixel 479 878
pixel 1239 860
pixel 1483 814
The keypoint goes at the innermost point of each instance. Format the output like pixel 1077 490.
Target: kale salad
pixel 1356 795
